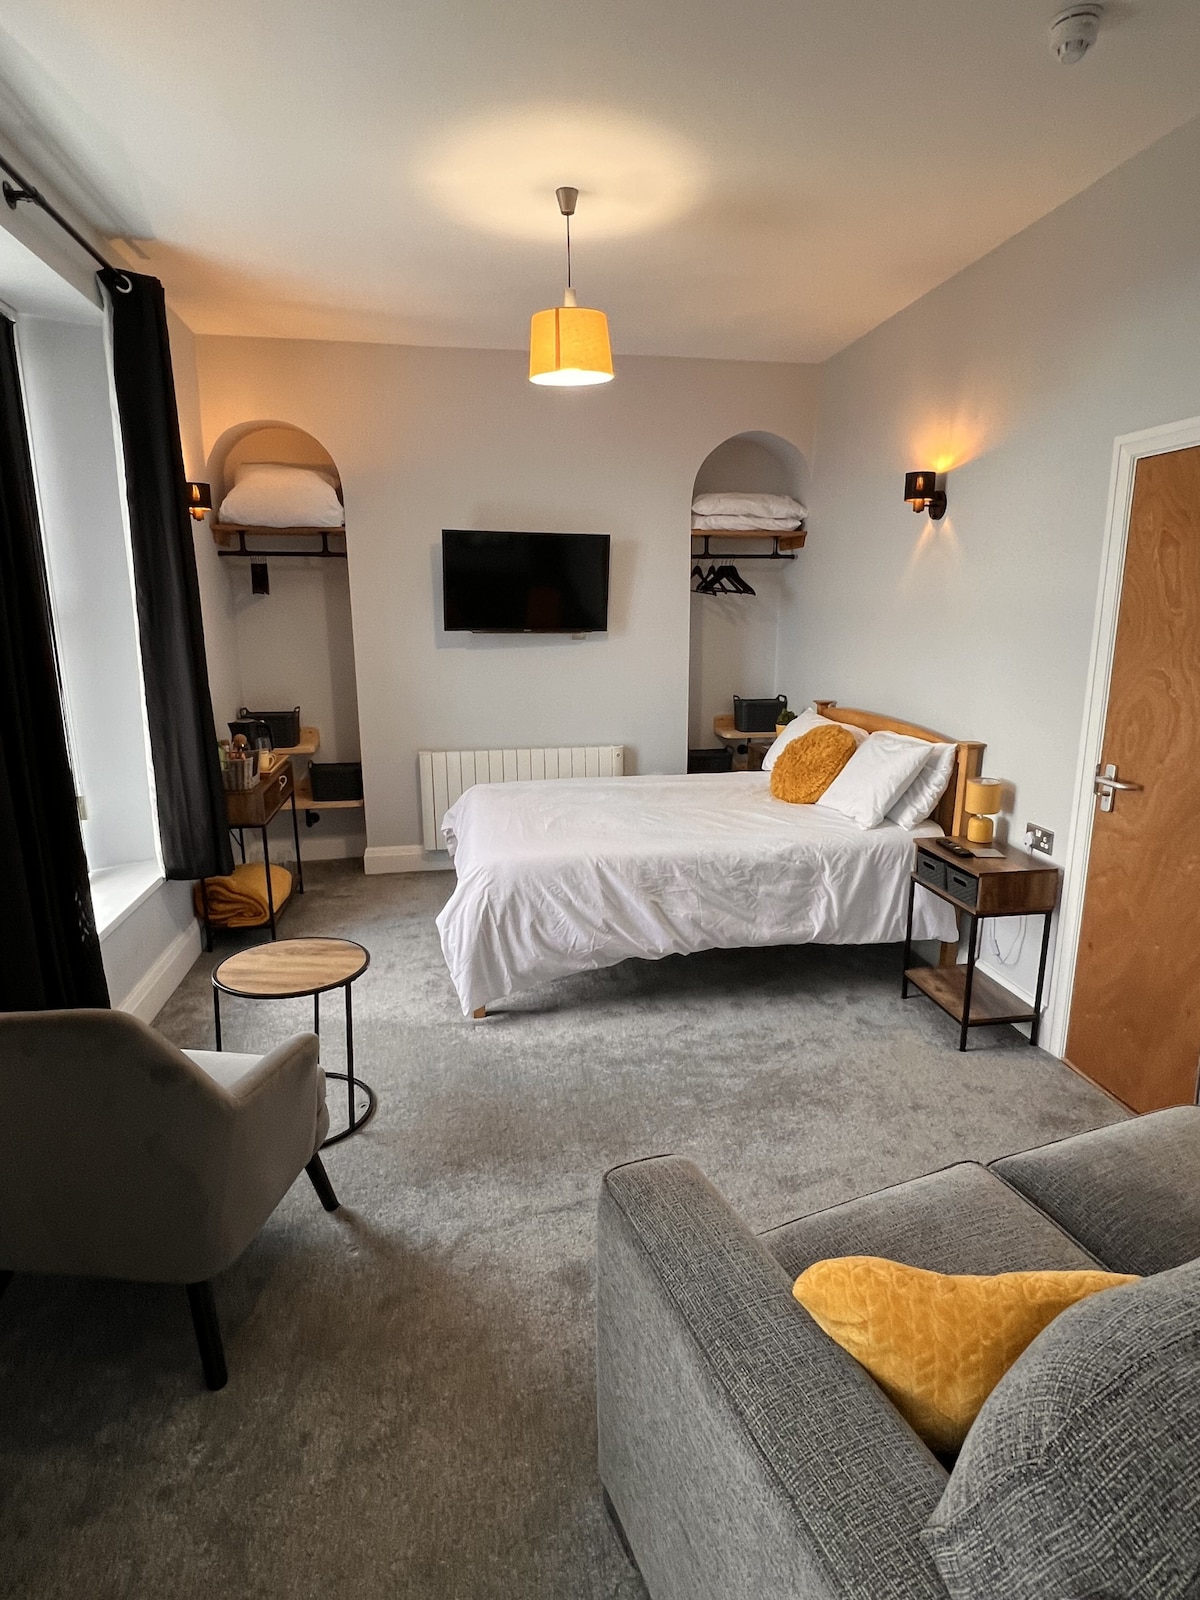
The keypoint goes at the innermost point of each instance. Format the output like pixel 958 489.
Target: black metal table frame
pixel 261 828
pixel 352 1083
pixel 976 917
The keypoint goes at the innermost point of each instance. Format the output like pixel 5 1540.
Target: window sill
pixel 117 892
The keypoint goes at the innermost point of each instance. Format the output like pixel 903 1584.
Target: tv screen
pixel 524 582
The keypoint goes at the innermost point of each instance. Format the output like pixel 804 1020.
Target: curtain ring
pixel 124 283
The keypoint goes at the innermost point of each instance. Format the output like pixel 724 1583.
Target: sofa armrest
pixel 745 1452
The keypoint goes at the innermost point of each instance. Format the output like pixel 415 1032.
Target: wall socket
pixel 1037 838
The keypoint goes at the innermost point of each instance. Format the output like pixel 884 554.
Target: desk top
pixel 724 729
pixel 288 968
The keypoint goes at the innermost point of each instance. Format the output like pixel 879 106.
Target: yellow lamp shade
pixel 568 346
pixel 983 797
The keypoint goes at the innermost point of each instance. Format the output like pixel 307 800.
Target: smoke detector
pixel 1073 31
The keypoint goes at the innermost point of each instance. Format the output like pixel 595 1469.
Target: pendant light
pixel 568 345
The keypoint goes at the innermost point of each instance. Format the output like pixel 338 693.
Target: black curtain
pixel 187 771
pixel 49 952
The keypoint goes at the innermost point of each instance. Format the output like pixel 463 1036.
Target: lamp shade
pixel 983 797
pixel 919 485
pixel 568 347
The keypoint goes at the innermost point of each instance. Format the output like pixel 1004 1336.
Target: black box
pixel 284 725
pixel 335 780
pixel 757 716
pixel 710 760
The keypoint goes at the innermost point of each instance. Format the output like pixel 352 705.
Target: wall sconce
pixel 922 493
pixel 199 499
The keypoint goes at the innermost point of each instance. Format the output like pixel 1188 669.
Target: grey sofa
pixel 744 1453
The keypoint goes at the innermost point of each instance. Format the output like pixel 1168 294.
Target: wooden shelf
pixel 310 739
pixel 990 1001
pixel 789 540
pixel 305 801
pixel 225 532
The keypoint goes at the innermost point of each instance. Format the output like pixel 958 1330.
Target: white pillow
pixel 268 495
pixel 875 776
pixel 805 722
pixel 327 473
pixel 747 505
pixel 926 789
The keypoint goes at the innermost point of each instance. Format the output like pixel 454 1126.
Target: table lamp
pixel 982 802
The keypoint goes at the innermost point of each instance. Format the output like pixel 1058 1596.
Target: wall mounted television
pixel 524 582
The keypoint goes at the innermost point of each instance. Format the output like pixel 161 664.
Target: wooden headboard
pixel 951 812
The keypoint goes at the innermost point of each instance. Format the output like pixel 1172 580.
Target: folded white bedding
pixel 572 875
pixel 747 524
pixel 747 504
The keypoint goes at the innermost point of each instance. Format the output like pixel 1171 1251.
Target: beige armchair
pixel 127 1158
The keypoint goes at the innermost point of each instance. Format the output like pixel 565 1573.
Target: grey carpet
pixel 409 1412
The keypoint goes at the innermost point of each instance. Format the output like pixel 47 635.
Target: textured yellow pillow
pixel 805 768
pixel 937 1345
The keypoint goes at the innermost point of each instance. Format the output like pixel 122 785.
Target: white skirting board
pixel 405 858
pixel 152 991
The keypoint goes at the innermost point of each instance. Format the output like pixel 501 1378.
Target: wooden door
pixel 1135 1009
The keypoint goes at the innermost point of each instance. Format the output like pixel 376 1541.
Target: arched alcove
pixel 734 646
pixel 296 644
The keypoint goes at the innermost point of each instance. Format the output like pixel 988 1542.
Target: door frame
pixel 1128 450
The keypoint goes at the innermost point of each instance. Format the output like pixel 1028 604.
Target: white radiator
pixel 446 773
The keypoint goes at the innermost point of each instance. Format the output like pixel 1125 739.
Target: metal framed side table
pixel 291 969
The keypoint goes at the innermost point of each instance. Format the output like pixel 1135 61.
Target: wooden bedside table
pixel 1014 884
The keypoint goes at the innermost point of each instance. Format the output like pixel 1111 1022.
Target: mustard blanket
pixel 240 900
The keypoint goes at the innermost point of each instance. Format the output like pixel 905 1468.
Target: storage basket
pixel 284 726
pixel 240 773
pixel 335 780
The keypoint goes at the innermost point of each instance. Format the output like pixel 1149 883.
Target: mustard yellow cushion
pixel 805 768
pixel 937 1345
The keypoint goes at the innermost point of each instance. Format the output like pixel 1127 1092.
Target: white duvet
pixel 566 876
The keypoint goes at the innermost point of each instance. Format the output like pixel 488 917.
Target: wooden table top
pixel 287 968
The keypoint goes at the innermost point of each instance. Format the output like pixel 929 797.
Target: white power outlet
pixel 1038 838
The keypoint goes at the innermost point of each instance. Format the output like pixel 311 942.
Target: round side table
pixel 290 969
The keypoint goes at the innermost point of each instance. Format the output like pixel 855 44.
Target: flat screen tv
pixel 524 582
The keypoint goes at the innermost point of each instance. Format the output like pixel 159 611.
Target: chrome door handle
pixel 1107 783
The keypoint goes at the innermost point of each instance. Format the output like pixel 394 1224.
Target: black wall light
pixel 199 499
pixel 922 493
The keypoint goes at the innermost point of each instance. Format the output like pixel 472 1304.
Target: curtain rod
pixel 14 196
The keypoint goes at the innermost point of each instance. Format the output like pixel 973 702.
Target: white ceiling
pixel 765 180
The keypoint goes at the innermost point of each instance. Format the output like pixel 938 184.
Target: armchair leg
pixel 320 1182
pixel 208 1333
pixel 5 1279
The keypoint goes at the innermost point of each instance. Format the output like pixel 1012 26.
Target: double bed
pixel 561 877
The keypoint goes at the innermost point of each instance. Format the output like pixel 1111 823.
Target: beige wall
pixel 426 439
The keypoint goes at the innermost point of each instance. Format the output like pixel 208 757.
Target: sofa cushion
pixel 1078 1479
pixel 937 1343
pixel 962 1219
pixel 1129 1192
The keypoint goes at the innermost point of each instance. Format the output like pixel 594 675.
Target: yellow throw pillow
pixel 937 1345
pixel 805 768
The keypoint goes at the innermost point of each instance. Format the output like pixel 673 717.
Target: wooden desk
pixel 753 746
pixel 257 808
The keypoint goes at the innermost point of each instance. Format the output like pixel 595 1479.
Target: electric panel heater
pixel 445 774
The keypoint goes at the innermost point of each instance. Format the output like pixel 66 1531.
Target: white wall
pixel 429 438
pixel 1018 373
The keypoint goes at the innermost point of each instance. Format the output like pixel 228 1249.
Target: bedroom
pixel 1065 322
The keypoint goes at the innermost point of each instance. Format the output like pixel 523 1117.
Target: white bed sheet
pixel 557 877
